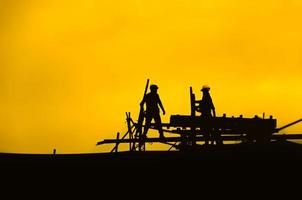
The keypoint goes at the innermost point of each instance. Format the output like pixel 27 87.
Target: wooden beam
pixel 167 139
pixel 198 138
pixel 287 136
pixel 288 125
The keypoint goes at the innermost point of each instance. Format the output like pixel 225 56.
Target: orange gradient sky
pixel 69 70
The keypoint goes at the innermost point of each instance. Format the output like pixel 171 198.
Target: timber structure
pixel 188 132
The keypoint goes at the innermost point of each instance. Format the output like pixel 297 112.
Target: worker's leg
pixel 212 136
pixel 157 120
pixel 206 129
pixel 206 135
pixel 219 140
pixel 147 123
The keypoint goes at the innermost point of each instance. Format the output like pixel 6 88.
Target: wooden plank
pixel 199 138
pixel 287 136
pixel 167 139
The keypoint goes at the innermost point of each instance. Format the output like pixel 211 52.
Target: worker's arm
pixel 198 105
pixel 214 112
pixel 161 106
pixel 143 102
pixel 213 109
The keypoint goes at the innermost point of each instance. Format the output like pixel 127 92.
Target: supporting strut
pixel 288 125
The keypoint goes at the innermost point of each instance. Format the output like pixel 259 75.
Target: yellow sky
pixel 70 69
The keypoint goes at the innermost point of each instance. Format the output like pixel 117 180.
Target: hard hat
pixel 205 88
pixel 153 87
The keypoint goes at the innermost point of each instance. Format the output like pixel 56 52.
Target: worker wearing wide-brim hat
pixel 205 88
pixel 206 106
pixel 207 109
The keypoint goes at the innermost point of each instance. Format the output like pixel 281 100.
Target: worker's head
pixel 153 88
pixel 205 88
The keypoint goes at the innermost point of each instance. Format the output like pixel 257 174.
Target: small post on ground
pixel 117 143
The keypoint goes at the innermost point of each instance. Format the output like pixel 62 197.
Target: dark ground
pixel 229 170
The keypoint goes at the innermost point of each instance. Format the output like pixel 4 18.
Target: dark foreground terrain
pixel 233 168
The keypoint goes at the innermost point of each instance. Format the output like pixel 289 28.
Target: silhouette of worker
pixel 206 106
pixel 207 109
pixel 152 101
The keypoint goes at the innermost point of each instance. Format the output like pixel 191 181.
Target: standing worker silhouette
pixel 207 109
pixel 206 106
pixel 152 101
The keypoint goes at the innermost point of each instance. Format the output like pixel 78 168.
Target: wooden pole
pixel 193 114
pixel 140 120
pixel 129 129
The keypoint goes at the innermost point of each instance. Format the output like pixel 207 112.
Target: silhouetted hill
pixel 229 166
pixel 235 157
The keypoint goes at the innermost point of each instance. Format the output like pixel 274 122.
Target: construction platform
pixel 189 132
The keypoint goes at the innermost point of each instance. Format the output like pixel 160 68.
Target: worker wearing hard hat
pixel 152 101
